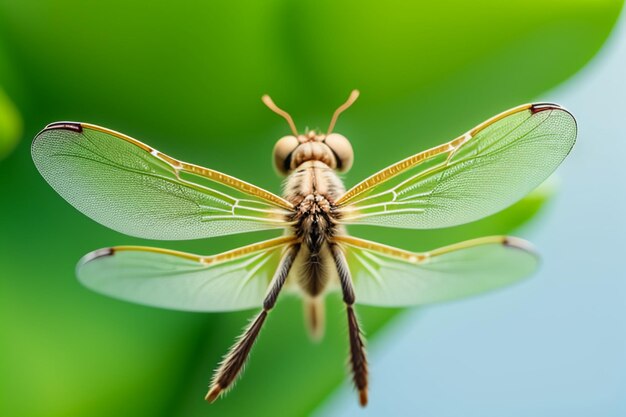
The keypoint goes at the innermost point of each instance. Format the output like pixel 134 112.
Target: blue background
pixel 554 345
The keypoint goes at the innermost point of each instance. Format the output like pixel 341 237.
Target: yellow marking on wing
pixel 405 164
pixel 499 117
pixel 222 257
pixel 196 169
pixel 412 257
pixel 417 257
pixel 131 248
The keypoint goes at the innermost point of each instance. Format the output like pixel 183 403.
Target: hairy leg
pixel 358 358
pixel 235 359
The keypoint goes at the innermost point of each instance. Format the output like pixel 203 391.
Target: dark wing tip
pixel 77 127
pixel 517 243
pixel 539 107
pixel 98 253
pixel 72 126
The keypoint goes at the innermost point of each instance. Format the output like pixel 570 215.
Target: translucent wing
pixel 135 189
pixel 229 281
pixel 390 277
pixel 478 174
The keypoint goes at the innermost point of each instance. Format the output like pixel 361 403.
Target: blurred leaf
pixel 10 125
pixel 187 79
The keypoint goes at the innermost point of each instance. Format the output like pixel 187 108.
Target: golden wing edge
pixel 419 257
pixel 409 162
pixel 514 249
pixel 213 175
pixel 197 263
pixel 205 260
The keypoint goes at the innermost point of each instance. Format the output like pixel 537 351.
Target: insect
pixel 134 189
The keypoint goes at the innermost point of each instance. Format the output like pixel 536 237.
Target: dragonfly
pixel 132 188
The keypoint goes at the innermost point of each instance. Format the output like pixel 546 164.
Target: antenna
pixel 273 107
pixel 353 96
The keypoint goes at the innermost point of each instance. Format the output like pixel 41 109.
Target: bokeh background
pixel 187 78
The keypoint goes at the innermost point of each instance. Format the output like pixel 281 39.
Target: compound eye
pixel 282 153
pixel 342 149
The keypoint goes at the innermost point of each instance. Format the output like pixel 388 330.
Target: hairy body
pixel 311 162
pixel 313 261
pixel 313 188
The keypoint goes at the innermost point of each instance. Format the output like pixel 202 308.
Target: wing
pixel 478 174
pixel 135 189
pixel 390 277
pixel 233 280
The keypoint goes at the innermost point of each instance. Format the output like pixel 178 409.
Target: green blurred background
pixel 187 78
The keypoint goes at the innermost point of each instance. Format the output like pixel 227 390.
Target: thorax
pixel 313 180
pixel 313 189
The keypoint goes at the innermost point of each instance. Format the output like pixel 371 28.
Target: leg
pixel 358 357
pixel 234 361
